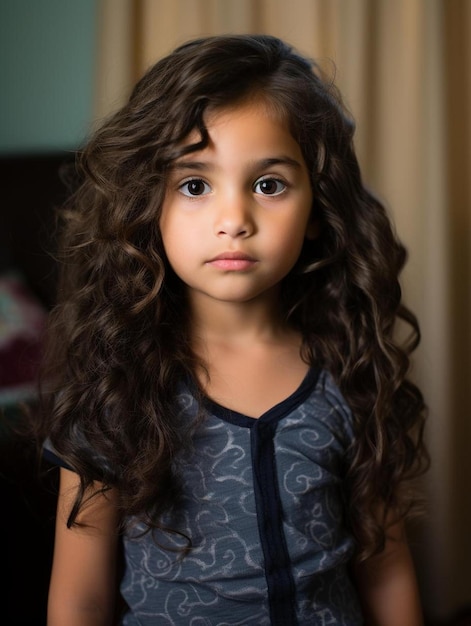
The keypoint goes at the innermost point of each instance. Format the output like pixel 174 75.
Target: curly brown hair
pixel 119 337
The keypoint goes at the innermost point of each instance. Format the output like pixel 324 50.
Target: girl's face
pixel 237 212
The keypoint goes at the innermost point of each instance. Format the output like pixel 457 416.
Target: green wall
pixel 47 52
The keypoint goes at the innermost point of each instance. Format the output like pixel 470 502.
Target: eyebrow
pixel 261 164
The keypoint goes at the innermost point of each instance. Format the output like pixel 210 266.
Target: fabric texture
pixel 263 507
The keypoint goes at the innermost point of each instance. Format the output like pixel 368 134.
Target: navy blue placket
pixel 281 587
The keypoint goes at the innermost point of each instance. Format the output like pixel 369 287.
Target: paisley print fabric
pixel 263 507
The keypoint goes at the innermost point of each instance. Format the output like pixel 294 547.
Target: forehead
pixel 253 121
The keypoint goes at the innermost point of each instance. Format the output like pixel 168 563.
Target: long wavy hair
pixel 119 337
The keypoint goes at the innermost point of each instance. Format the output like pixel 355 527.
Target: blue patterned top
pixel 263 506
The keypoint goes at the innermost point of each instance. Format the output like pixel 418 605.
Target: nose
pixel 235 217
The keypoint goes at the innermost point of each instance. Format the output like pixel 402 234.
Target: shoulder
pixel 328 388
pixel 97 465
pixel 331 406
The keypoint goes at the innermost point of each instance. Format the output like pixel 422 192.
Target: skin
pixel 82 590
pixel 246 195
pixel 233 223
pixel 387 583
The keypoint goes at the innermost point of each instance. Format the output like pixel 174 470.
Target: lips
pixel 232 261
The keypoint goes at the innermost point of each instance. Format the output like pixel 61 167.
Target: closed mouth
pixel 233 261
pixel 232 256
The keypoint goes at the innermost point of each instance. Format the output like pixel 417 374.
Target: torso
pixel 263 504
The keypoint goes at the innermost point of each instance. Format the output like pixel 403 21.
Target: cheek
pixel 292 238
pixel 284 249
pixel 172 229
pixel 180 242
pixel 171 241
pixel 293 232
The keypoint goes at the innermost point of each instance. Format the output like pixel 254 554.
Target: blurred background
pixel 404 67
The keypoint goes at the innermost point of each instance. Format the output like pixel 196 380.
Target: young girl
pixel 223 390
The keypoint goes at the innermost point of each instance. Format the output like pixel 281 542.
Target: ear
pixel 313 229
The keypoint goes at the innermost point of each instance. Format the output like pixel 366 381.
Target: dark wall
pixel 32 189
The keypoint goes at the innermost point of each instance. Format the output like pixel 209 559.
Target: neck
pixel 250 360
pixel 233 322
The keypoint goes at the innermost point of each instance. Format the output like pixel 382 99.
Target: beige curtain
pixel 404 67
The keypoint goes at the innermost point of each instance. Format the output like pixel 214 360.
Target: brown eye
pixel 194 187
pixel 269 186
